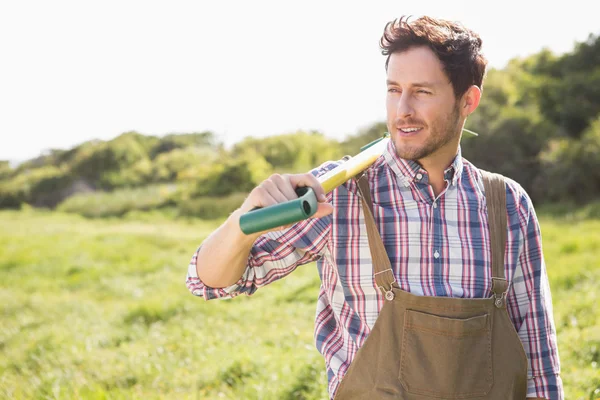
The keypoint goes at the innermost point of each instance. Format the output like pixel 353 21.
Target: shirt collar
pixel 409 170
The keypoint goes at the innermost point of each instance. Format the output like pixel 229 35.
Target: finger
pixel 309 180
pixel 264 198
pixel 285 186
pixel 274 191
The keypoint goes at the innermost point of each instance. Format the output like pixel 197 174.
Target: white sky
pixel 72 71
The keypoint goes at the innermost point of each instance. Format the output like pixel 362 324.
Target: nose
pixel 404 107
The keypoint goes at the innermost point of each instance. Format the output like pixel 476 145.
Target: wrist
pixel 234 223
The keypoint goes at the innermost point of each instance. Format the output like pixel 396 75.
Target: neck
pixel 435 164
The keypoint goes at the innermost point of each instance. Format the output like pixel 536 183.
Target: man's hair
pixel 457 48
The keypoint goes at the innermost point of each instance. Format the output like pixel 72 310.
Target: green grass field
pixel 98 309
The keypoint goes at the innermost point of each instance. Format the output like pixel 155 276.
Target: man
pixel 410 245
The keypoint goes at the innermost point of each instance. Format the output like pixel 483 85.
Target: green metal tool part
pixel 261 219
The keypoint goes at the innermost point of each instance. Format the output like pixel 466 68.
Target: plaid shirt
pixel 437 247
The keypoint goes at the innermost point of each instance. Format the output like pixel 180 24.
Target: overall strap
pixel 382 267
pixel 495 197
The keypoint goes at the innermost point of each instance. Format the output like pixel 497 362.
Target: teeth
pixel 409 129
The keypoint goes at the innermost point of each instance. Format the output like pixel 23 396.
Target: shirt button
pixel 419 176
pixel 434 204
pixel 436 254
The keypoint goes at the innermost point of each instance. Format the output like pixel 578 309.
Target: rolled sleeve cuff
pixel 546 387
pixel 198 288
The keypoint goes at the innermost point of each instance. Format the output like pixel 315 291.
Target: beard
pixel 441 132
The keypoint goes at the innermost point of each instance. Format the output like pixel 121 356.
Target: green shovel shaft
pixel 289 212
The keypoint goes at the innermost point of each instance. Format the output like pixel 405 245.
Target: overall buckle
pixel 389 294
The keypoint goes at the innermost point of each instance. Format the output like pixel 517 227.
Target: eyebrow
pixel 417 84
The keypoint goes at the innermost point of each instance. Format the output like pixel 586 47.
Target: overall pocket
pixel 449 358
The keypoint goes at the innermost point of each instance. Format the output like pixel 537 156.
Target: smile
pixel 408 131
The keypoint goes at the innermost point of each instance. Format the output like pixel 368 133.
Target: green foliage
pixel 120 202
pixel 135 175
pixel 211 207
pixel 571 101
pixel 5 170
pixel 51 190
pixel 95 153
pixel 183 164
pixel 351 146
pixel 570 95
pixel 511 146
pixel 106 163
pixel 124 162
pixel 171 142
pixel 570 211
pixel 10 198
pixel 571 168
pixel 296 152
pixel 39 186
pixel 239 174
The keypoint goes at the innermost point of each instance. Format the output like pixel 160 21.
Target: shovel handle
pixel 265 218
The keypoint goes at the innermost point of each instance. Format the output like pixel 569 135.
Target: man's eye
pixel 424 91
pixel 392 90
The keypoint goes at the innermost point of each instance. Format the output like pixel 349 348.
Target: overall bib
pixel 424 347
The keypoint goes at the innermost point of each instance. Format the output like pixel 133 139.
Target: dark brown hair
pixel 457 48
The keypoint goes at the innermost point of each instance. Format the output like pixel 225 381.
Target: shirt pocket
pixel 446 357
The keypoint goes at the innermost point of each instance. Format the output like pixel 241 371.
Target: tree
pixel 570 168
pixel 570 94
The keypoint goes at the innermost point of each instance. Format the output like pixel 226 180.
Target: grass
pixel 98 309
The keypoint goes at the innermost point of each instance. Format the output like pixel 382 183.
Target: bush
pixel 511 147
pixel 120 202
pixel 102 161
pixel 296 152
pixel 180 164
pixel 211 207
pixel 5 170
pixel 10 198
pixel 136 175
pixel 27 186
pixel 240 174
pixel 171 142
pixel 571 168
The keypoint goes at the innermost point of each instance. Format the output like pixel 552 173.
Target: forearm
pixel 224 254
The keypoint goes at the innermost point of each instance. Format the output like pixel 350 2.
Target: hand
pixel 281 188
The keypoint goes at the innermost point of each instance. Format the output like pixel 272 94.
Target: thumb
pixel 323 210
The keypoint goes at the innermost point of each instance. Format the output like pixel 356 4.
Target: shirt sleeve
pixel 537 331
pixel 274 255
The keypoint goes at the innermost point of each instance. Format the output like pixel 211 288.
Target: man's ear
pixel 470 100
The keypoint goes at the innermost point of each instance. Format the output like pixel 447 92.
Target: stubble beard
pixel 441 132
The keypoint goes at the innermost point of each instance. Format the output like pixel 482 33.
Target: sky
pixel 72 71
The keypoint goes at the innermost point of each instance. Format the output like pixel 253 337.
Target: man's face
pixel 422 114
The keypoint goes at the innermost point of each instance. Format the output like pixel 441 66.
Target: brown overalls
pixel 424 347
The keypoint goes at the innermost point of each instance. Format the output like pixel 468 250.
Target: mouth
pixel 407 131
